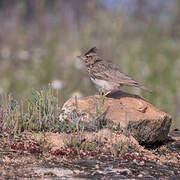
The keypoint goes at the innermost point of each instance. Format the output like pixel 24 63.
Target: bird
pixel 105 74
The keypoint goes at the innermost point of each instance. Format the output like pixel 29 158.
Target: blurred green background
pixel 40 39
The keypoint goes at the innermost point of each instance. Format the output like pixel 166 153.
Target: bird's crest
pixel 92 50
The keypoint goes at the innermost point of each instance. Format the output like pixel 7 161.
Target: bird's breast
pixel 103 83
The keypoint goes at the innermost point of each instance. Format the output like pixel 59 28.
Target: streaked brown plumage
pixel 106 74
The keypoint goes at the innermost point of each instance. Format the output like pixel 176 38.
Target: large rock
pixel 122 111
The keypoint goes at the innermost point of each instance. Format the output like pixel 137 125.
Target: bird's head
pixel 90 57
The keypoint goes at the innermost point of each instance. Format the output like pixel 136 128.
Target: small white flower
pixel 5 52
pixel 57 84
pixel 23 55
pixel 76 94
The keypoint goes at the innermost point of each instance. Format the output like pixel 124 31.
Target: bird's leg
pixel 111 92
pixel 108 92
pixel 103 92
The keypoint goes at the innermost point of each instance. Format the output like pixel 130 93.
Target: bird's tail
pixel 146 89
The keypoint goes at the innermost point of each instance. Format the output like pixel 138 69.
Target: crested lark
pixel 106 74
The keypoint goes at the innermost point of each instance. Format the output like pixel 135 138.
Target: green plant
pixel 99 103
pixel 39 112
pixel 90 145
pixel 117 147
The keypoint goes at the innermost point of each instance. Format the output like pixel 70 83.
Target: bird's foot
pixel 111 93
pixel 105 93
pixel 108 92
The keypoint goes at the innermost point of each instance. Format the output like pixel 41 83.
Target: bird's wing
pixel 116 76
pixel 113 74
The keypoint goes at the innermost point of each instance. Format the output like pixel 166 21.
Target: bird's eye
pixel 88 56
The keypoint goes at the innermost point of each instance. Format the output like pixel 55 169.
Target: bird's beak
pixel 80 57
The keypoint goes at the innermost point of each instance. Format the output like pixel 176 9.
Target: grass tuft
pixel 39 112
